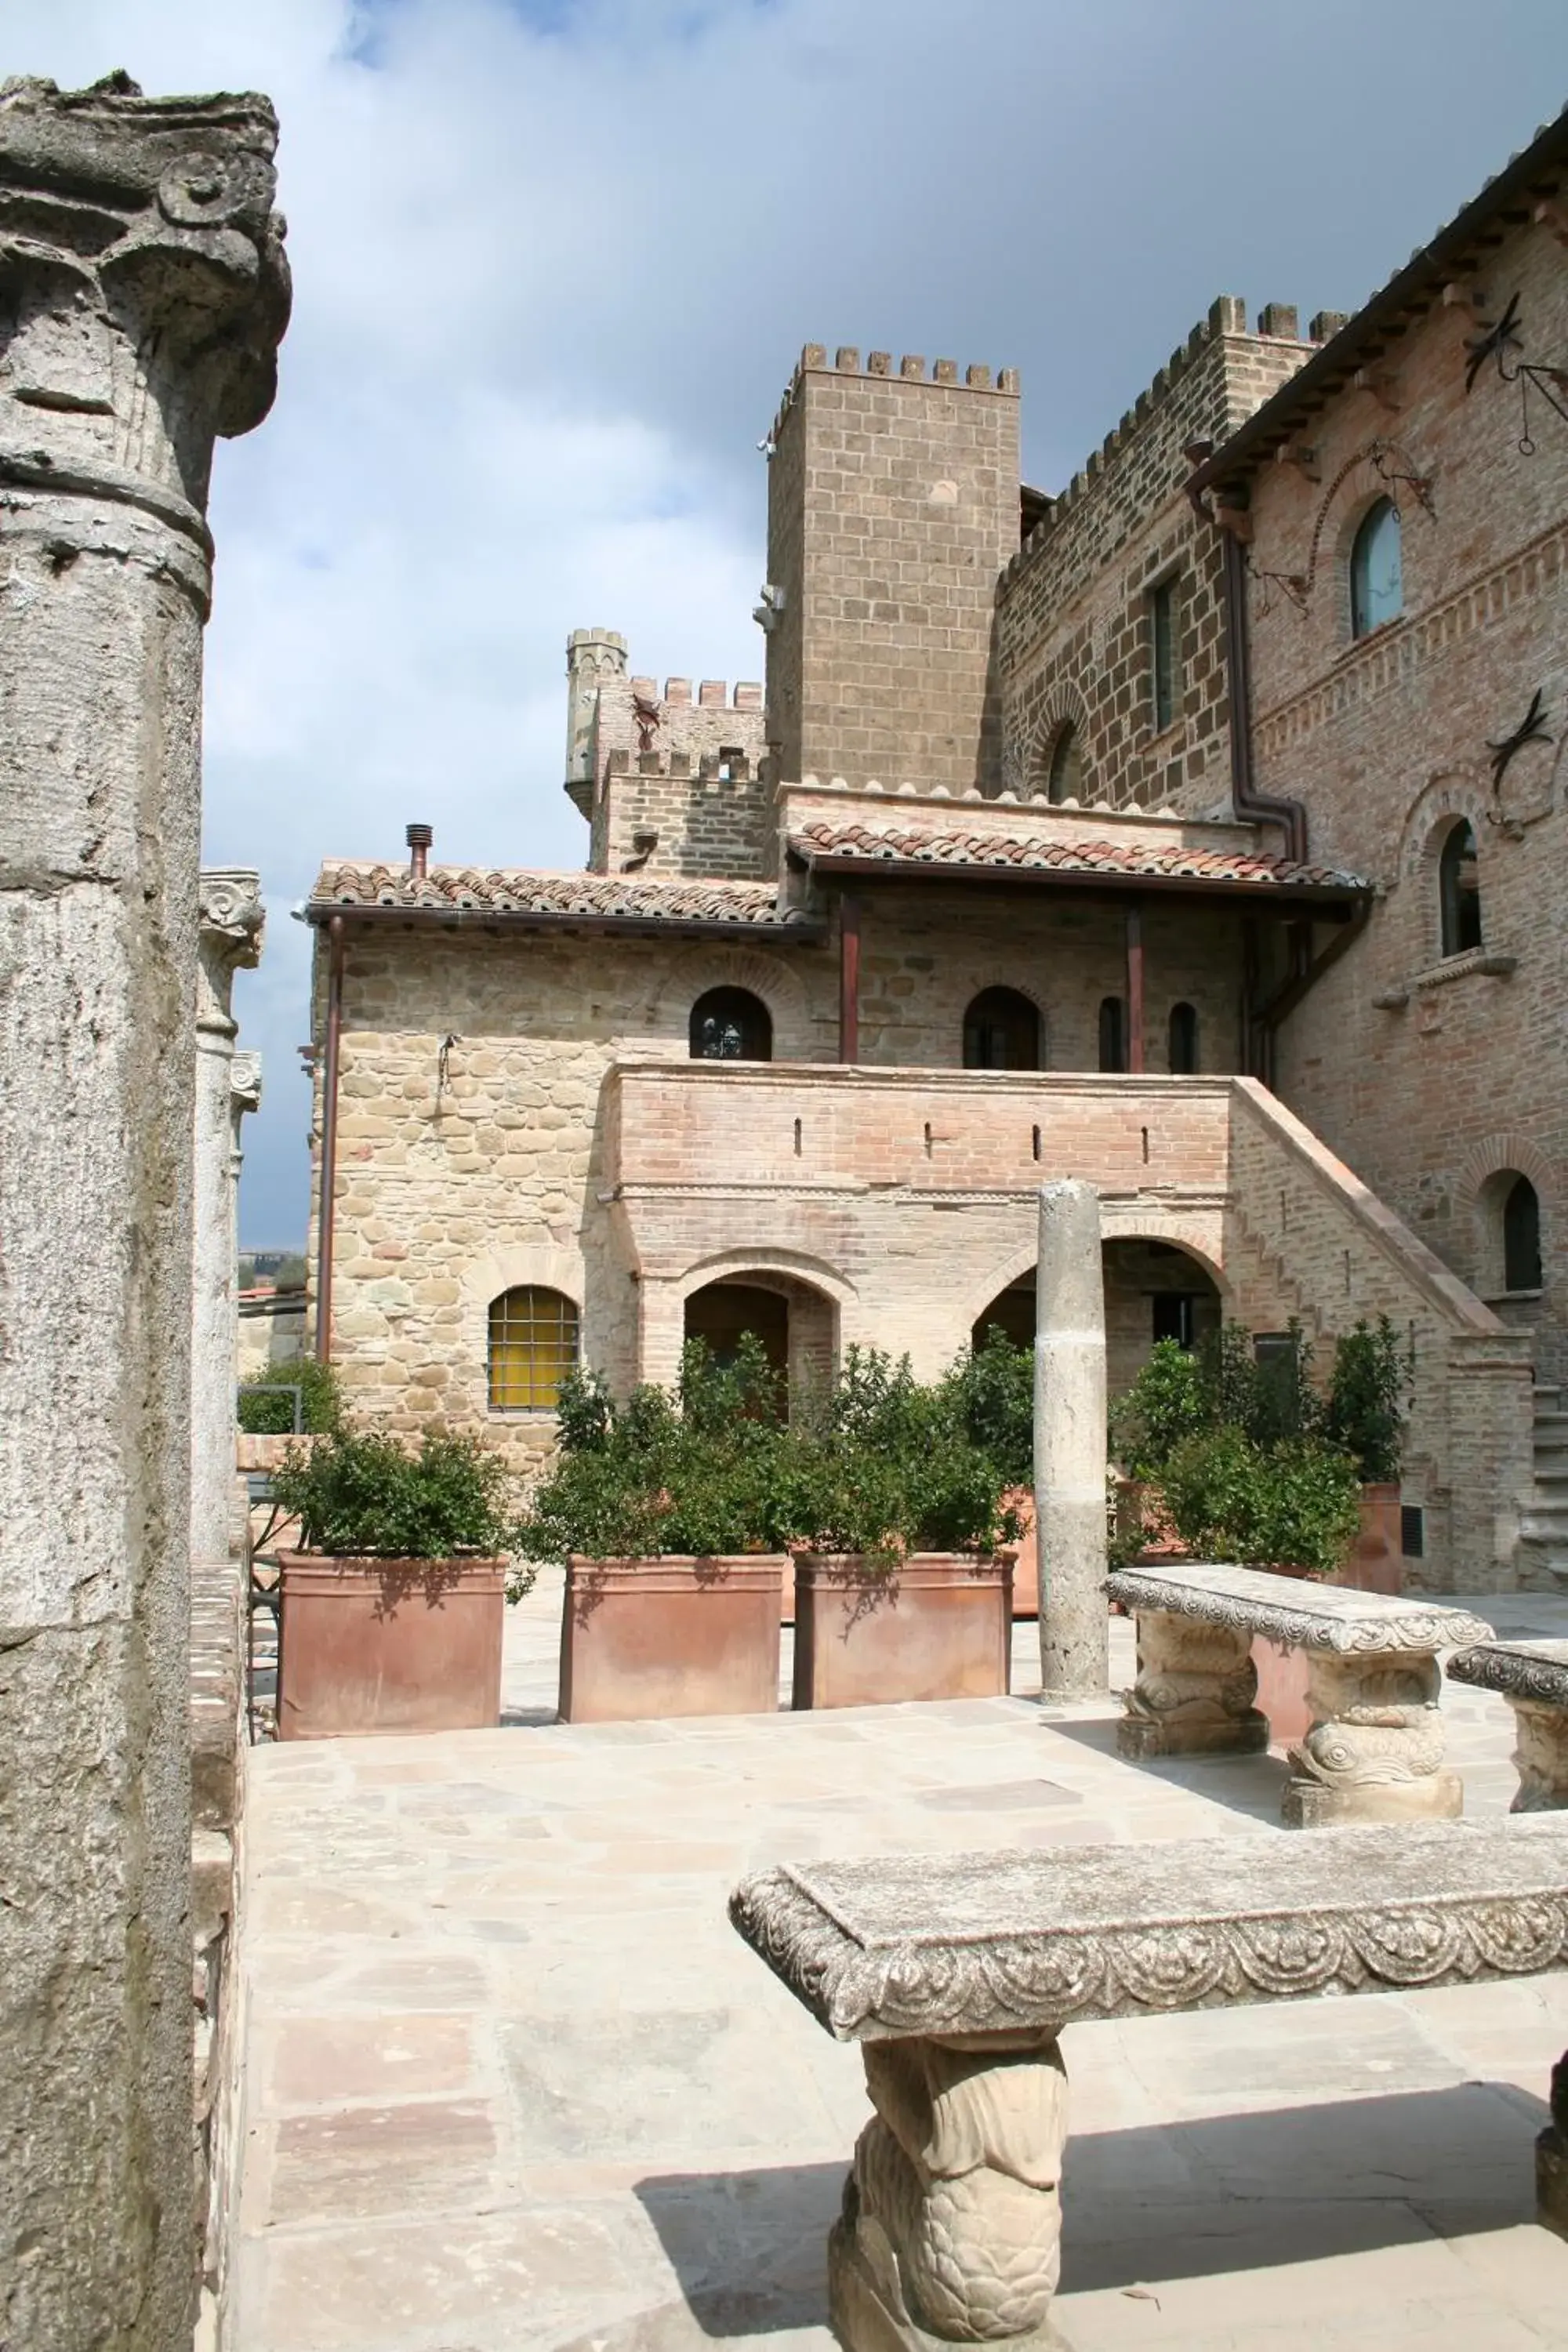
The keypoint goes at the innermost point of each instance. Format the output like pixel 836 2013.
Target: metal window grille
pixel 532 1347
pixel 1163 620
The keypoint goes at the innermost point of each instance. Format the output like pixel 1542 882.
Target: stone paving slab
pixel 513 2084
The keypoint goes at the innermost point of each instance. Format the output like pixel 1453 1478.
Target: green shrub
pixel 360 1494
pixel 1293 1504
pixel 267 1410
pixel 1372 1380
pixel 993 1387
pixel 1167 1404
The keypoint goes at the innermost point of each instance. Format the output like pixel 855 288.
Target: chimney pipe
pixel 419 838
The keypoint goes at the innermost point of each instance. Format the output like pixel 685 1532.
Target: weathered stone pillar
pixel 144 294
pixel 229 936
pixel 1069 1442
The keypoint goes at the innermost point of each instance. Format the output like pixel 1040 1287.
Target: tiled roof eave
pixel 1077 867
pixel 790 924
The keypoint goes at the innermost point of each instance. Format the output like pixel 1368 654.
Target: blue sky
pixel 554 260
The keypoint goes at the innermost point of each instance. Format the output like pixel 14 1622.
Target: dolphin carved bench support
pixel 957 1973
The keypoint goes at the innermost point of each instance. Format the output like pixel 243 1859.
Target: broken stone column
pixel 230 922
pixel 145 295
pixel 1069 1442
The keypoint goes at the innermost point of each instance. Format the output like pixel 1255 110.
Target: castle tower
pixel 593 656
pixel 892 509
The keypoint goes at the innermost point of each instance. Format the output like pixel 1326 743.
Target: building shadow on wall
pixel 1165 2202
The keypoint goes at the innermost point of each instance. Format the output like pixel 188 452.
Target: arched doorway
pixel 1153 1290
pixel 721 1313
pixel 729 1025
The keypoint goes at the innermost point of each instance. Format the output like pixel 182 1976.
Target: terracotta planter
pixel 379 1645
pixel 1023 1554
pixel 644 1638
pixel 1377 1563
pixel 939 1626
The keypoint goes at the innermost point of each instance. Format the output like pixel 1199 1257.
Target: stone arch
pixel 1458 795
pixel 780 987
pixel 529 1265
pixel 1064 708
pixel 758 1263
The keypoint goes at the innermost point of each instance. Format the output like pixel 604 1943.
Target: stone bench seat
pixel 1374 1750
pixel 1533 1678
pixel 959 1972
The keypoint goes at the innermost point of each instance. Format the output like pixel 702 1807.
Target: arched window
pixel 731 1024
pixel 1065 782
pixel 1184 1041
pixel 532 1347
pixel 1459 891
pixel 1112 1033
pixel 1521 1237
pixel 1001 1032
pixel 1377 577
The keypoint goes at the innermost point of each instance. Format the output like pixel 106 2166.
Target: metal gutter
pixel 326 1205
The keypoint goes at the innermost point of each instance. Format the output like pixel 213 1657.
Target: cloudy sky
pixel 555 258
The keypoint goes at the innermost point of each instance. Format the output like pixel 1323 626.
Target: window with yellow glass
pixel 532 1347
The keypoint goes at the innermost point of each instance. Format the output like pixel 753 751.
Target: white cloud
pixel 554 259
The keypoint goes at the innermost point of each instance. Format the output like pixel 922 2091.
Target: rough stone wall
pixel 1431 1076
pixel 892 507
pixel 1074 629
pixel 135 327
pixel 669 785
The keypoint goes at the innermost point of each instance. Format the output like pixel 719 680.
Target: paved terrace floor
pixel 512 2085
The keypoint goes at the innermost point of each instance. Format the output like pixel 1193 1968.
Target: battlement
pixel 712 694
pixel 729 764
pixel 1002 383
pixel 1224 325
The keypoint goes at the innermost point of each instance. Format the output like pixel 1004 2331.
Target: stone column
pixel 950 2229
pixel 145 292
pixel 231 921
pixel 1069 1442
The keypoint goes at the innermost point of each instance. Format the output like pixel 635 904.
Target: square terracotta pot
pixel 1377 1563
pixel 379 1645
pixel 938 1626
pixel 644 1638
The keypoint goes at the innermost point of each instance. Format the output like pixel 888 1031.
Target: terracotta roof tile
pixel 824 843
pixel 524 890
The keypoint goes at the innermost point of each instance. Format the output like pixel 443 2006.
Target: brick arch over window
pixel 1201 1245
pixel 1484 1178
pixel 530 1265
pixel 1454 795
pixel 1064 710
pixel 773 979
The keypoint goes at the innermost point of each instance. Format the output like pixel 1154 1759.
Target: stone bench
pixel 1375 1752
pixel 1533 1678
pixel 958 1973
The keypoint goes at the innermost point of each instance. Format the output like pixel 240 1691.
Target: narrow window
pixel 532 1346
pixel 1377 576
pixel 1066 779
pixel 1521 1237
pixel 1001 1032
pixel 1174 1313
pixel 1112 1033
pixel 1459 891
pixel 731 1024
pixel 1163 619
pixel 1184 1041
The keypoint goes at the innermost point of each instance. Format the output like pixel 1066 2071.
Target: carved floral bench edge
pixel 1533 1678
pixel 950 2231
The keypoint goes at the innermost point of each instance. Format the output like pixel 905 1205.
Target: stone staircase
pixel 1543 1530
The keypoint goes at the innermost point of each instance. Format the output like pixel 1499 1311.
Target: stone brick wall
pixel 1431 1076
pixel 1074 630
pixel 892 505
pixel 695 801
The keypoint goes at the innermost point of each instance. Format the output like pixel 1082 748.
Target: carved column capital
pixel 245 1084
pixel 231 920
pixel 143 290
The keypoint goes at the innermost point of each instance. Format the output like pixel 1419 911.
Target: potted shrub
pixel 995 1387
pixel 393 1609
pixel 665 1511
pixel 1364 1415
pixel 900 1589
pixel 265 1411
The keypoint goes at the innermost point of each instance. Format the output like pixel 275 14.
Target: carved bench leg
pixel 1194 1695
pixel 1552 2157
pixel 1375 1752
pixel 1541 1755
pixel 952 2222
